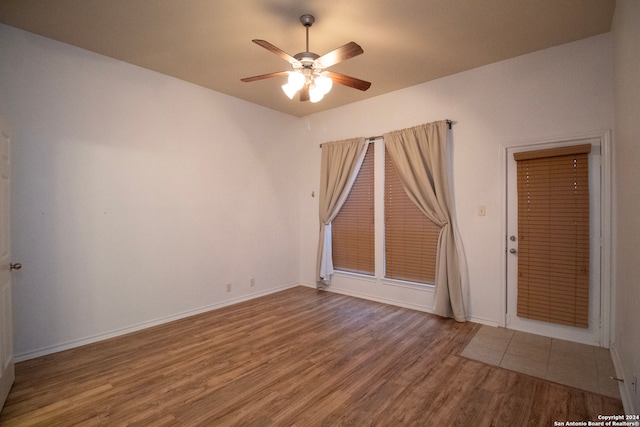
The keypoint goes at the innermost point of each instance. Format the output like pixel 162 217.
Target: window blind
pixel 352 229
pixel 411 239
pixel 553 235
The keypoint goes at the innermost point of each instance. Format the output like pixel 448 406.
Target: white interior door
pixel 7 373
pixel 591 335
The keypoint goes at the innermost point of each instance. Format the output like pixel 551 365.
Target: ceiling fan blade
pixel 271 48
pixel 348 81
pixel 304 93
pixel 264 76
pixel 340 54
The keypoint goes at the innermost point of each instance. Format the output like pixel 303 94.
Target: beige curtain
pixel 420 157
pixel 341 161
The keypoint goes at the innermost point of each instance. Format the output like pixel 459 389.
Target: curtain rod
pixel 373 138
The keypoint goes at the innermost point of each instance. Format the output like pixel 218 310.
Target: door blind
pixel 353 228
pixel 411 239
pixel 553 235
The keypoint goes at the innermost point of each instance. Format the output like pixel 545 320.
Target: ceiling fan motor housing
pixel 307 59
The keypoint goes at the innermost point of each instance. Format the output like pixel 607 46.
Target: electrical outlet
pixel 228 287
pixel 253 282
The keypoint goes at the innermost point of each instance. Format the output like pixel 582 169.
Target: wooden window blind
pixel 553 235
pixel 411 239
pixel 352 229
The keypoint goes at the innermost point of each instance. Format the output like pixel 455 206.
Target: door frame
pixel 607 293
pixel 7 361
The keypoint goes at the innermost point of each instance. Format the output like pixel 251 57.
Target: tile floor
pixel 576 365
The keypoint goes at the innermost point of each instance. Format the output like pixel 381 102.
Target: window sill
pixel 358 276
pixel 411 285
pixel 425 287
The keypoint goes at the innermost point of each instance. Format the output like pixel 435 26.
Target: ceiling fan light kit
pixel 307 74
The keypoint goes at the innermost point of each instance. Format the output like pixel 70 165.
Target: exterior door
pixel 592 334
pixel 7 373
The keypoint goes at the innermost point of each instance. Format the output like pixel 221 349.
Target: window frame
pixel 379 231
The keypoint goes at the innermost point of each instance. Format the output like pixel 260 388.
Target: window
pixel 353 241
pixel 411 239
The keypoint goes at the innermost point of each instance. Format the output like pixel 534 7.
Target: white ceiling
pixel 405 42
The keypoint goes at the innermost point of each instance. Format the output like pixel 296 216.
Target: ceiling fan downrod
pixel 307 20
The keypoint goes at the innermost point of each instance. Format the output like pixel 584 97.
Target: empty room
pixel 284 212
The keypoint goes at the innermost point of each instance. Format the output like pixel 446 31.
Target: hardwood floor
pixel 298 357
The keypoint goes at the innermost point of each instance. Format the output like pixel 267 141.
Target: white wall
pixel 565 90
pixel 136 196
pixel 626 36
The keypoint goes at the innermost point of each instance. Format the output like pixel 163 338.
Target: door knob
pixel 16 266
pixel 513 251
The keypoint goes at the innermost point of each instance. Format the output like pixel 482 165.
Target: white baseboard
pixel 144 325
pixel 482 321
pixel 625 392
pixel 375 298
pixel 404 304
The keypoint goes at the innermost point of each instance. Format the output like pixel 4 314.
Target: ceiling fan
pixel 308 73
